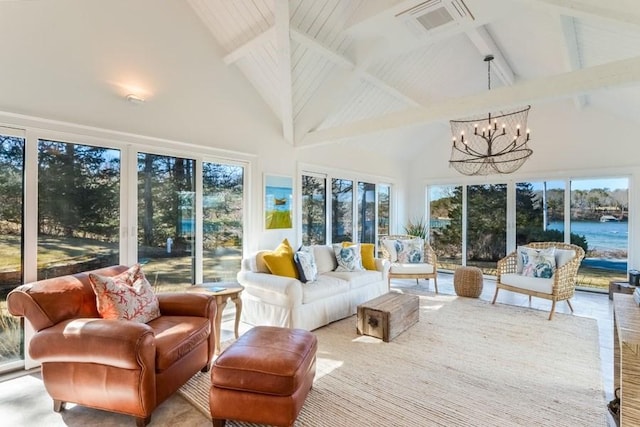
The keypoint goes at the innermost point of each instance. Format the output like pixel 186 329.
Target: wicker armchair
pixel 562 284
pixel 426 270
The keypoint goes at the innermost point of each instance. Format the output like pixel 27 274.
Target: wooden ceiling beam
pixel 283 43
pixel 614 74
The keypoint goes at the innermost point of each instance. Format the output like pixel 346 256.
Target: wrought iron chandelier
pixel 496 143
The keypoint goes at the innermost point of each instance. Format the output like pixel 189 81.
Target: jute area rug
pixel 465 363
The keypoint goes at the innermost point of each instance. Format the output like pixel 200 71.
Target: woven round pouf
pixel 467 281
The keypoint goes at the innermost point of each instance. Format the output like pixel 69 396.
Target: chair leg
pixel 58 405
pixel 417 283
pixel 435 282
pixel 570 307
pixel 495 296
pixel 553 309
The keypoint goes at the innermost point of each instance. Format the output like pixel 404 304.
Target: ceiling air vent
pixel 435 15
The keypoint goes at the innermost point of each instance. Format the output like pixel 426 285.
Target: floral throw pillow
pixel 538 262
pixel 126 296
pixel 410 251
pixel 306 264
pixel 348 257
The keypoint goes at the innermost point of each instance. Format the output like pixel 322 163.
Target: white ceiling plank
pixel 567 84
pixel 329 53
pixel 283 43
pixel 619 10
pixel 485 44
pixel 251 45
pixel 572 51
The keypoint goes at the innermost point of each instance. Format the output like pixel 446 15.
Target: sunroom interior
pixel 213 95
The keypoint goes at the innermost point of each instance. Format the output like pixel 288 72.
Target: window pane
pixel 599 219
pixel 486 225
pixel 78 208
pixel 366 212
pixel 384 207
pixel 539 212
pixel 166 220
pixel 11 190
pixel 314 222
pixel 222 203
pixel 445 222
pixel 341 210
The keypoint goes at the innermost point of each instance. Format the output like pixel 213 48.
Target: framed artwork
pixel 278 202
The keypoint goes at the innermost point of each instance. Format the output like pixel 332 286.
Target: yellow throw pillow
pixel 367 253
pixel 367 250
pixel 280 262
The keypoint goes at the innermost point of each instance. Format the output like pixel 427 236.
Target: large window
pixel 598 223
pixel 11 216
pixel 341 210
pixel 314 211
pixel 486 225
pixel 222 207
pixel 366 212
pixel 445 222
pixel 384 207
pixel 166 220
pixel 78 208
pixel 599 215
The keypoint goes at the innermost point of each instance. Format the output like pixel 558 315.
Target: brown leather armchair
pixel 113 365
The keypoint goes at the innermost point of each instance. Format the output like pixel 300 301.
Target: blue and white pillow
pixel 306 264
pixel 410 251
pixel 349 257
pixel 539 263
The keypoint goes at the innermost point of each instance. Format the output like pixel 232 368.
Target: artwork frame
pixel 278 202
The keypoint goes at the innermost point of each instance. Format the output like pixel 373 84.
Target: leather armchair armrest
pixel 119 343
pixel 187 304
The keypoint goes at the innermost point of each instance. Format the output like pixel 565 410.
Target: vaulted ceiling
pixel 336 69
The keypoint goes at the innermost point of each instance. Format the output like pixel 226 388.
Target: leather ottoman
pixel 264 377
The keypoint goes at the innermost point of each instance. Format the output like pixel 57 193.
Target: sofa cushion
pixel 125 296
pixel 356 279
pixel 306 264
pixel 257 264
pixel 177 336
pixel 536 284
pixel 411 268
pixel 348 257
pixel 325 258
pixel 367 253
pixel 280 261
pixel 325 286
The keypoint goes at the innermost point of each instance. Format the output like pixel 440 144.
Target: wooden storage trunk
pixel 389 315
pixel 620 288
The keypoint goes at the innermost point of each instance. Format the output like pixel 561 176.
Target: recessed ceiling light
pixel 135 99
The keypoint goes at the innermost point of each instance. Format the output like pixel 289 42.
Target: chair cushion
pixel 563 256
pixel 410 268
pixel 536 284
pixel 390 246
pixel 410 251
pixel 177 336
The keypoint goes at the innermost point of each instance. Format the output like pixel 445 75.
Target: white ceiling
pixel 312 71
pixel 332 69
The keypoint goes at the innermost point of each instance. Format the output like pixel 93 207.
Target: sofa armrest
pixel 279 290
pixel 187 304
pixel 383 265
pixel 118 343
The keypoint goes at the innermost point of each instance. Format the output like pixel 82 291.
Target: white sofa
pixel 283 301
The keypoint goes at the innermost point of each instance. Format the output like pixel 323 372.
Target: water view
pixel 608 242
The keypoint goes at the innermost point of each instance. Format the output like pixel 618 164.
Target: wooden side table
pixel 223 291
